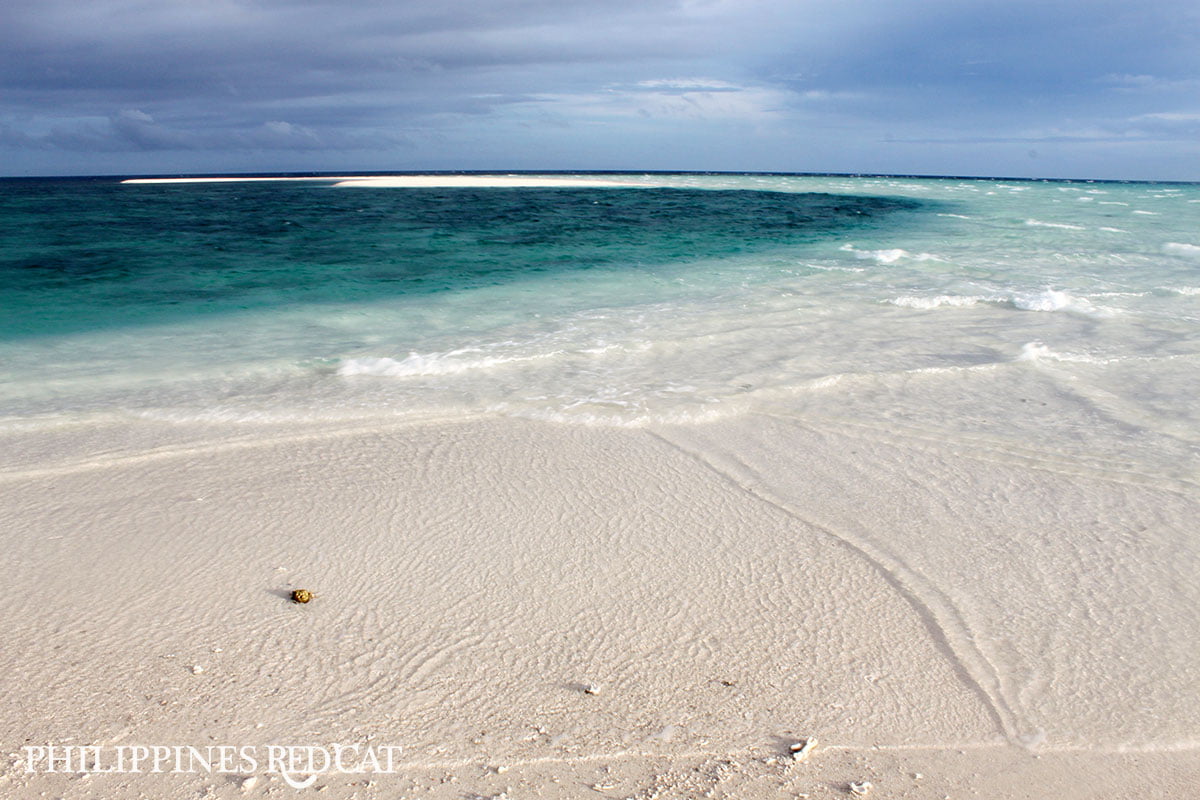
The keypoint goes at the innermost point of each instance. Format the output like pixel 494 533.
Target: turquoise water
pixel 951 305
pixel 82 256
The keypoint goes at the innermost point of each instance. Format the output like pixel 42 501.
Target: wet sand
pixel 538 610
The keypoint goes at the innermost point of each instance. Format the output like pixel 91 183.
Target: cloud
pixel 1170 116
pixel 143 133
pixel 696 99
pixel 1151 83
pixel 134 130
pixel 689 85
pixel 520 79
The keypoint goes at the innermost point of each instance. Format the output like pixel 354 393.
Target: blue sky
pixel 1039 89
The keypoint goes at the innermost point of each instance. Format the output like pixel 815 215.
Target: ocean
pixel 913 459
pixel 1045 313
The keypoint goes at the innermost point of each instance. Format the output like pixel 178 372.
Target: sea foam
pixel 1048 300
pixel 887 256
pixel 1038 351
pixel 1182 249
pixel 958 301
pixel 1052 300
pixel 1037 223
pixel 419 364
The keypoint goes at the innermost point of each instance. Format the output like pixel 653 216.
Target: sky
pixel 1093 89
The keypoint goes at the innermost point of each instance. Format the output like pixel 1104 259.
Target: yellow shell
pixel 301 596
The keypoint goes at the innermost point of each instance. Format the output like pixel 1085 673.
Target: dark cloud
pixel 589 84
pixel 134 130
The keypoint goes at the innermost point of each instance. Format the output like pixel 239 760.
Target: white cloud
pixel 1169 116
pixel 1151 83
pixel 695 84
pixel 692 99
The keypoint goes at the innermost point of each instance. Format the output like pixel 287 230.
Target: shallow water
pixel 931 302
pixel 981 393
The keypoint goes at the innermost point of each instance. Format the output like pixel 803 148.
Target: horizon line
pixel 320 175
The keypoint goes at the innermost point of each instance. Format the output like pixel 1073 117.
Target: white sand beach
pixel 529 609
pixel 530 400
pixel 408 181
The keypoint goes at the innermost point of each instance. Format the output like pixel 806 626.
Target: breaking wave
pixel 1037 223
pixel 422 365
pixel 1048 300
pixel 887 256
pixel 1182 249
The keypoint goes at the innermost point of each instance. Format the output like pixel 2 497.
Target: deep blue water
pixel 85 255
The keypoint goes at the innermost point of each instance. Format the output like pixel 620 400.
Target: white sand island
pixel 410 181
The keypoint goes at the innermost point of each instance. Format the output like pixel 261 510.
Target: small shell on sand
pixel 591 688
pixel 860 788
pixel 802 748
pixel 301 596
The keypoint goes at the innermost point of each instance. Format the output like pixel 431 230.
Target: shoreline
pixel 726 588
pixel 407 181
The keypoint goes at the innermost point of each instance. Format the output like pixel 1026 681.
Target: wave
pixel 1033 351
pixel 888 256
pixel 1182 249
pixel 827 268
pixel 1052 300
pixel 1037 223
pixel 1048 300
pixel 1038 351
pixel 419 364
pixel 958 301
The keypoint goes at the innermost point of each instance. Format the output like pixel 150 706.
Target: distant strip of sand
pixel 413 181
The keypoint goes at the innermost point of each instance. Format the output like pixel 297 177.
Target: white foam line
pixel 1039 224
pixel 1181 249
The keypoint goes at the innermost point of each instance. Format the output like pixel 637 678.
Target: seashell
pixel 801 749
